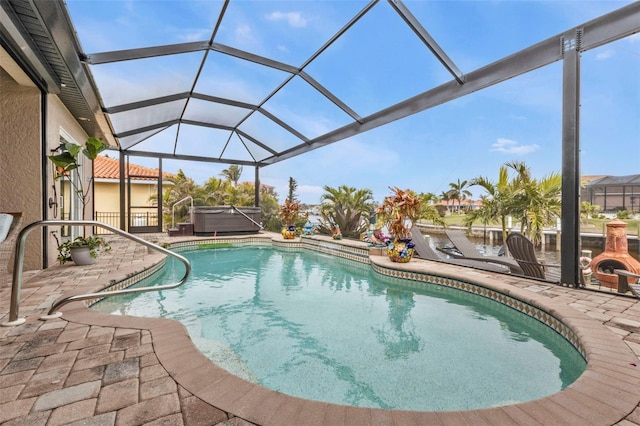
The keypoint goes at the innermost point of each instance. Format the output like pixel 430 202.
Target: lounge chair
pixel 465 249
pixel 8 248
pixel 522 250
pixel 424 251
pixel 623 282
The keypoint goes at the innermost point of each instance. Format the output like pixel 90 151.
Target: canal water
pixel 548 253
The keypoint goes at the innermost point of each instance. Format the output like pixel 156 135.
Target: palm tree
pixel 497 203
pixel 214 191
pixel 182 186
pixel 540 205
pixel 457 192
pixel 428 209
pixel 533 203
pixel 587 210
pixel 445 196
pixel 239 196
pixel 232 174
pixel 346 207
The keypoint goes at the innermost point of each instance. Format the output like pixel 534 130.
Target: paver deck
pixel 89 368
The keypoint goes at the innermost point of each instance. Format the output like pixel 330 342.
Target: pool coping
pixel 605 393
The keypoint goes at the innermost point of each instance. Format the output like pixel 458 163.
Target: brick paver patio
pixel 95 369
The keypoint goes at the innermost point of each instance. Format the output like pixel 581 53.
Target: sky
pixel 376 64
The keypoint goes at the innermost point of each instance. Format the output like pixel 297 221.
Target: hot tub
pixel 213 220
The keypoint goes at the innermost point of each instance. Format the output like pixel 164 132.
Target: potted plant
pixel 399 212
pixel 82 250
pixel 67 165
pixel 289 214
pixel 336 233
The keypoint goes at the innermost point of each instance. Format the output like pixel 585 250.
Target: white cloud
pixel 244 34
pixel 509 146
pixel 294 19
pixel 196 35
pixel 604 55
pixel 634 38
pixel 306 192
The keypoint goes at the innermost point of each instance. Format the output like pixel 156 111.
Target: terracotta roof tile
pixel 109 168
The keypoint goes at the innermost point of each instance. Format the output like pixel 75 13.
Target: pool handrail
pixel 243 214
pixel 19 262
pixel 173 209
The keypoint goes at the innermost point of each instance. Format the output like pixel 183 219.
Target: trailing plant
pixel 67 165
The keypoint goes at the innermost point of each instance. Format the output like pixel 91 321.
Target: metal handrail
pixel 19 261
pixel 173 209
pixel 243 214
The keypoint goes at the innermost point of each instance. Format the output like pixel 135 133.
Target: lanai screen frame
pixel 566 47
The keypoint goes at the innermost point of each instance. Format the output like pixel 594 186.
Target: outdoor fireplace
pixel 615 256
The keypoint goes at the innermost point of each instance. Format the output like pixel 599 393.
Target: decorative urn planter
pixel 289 232
pixel 399 213
pixel 401 251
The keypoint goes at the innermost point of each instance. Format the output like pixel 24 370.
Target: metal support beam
pixel 426 38
pixel 570 238
pixel 613 26
pixel 122 193
pixel 145 52
pixel 166 156
pixel 256 184
pixel 160 192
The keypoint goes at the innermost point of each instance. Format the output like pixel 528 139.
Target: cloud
pixel 196 35
pixel 307 192
pixel 294 19
pixel 244 34
pixel 512 147
pixel 605 55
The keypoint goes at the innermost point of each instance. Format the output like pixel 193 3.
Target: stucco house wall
pixel 20 162
pixel 23 186
pixel 108 195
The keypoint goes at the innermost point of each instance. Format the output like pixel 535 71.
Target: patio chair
pixel 465 249
pixel 623 282
pixel 424 251
pixel 7 249
pixel 522 250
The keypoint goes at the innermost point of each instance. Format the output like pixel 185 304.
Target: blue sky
pixel 377 64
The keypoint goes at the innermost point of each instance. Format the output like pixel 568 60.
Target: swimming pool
pixel 322 328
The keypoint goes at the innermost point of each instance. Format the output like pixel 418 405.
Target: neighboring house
pixel 465 205
pixel 142 186
pixel 612 193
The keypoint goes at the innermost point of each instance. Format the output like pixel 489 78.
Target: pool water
pixel 323 328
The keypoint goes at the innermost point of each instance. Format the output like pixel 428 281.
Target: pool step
pixel 181 230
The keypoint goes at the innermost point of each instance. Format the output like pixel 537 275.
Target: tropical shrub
pixel 399 212
pixel 346 208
